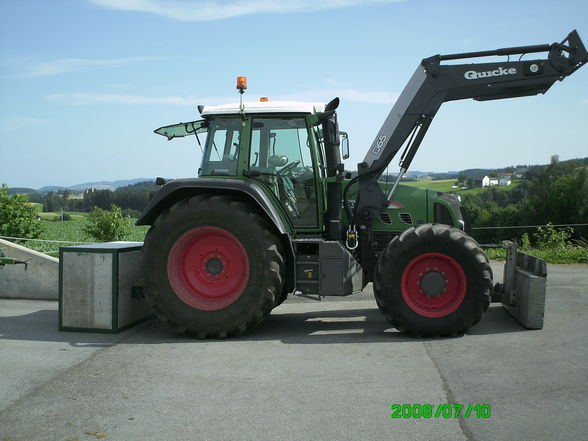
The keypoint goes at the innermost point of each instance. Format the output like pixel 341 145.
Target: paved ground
pixel 312 371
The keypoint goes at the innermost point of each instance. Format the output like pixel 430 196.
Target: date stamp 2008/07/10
pixel 445 410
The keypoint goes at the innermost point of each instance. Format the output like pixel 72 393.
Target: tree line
pixel 132 198
pixel 556 193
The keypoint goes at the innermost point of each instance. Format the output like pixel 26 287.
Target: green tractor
pixel 273 211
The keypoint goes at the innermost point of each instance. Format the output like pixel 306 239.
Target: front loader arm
pixel 434 83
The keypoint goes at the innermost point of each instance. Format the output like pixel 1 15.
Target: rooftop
pixel 265 107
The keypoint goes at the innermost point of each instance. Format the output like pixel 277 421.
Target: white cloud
pixel 66 65
pixel 319 95
pixel 80 99
pixel 206 10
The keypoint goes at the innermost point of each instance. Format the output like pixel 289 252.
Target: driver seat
pixel 285 184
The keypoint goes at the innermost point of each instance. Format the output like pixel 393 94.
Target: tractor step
pixel 307 273
pixel 326 268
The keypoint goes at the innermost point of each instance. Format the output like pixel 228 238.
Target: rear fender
pixel 179 189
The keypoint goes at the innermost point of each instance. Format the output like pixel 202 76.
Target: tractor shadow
pixel 332 326
pixel 362 325
pixel 345 325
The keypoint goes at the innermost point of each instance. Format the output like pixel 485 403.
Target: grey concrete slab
pixel 302 373
pixel 535 381
pixel 38 280
pixel 325 371
pixel 33 351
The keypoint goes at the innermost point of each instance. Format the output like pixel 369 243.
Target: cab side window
pixel 280 151
pixel 222 147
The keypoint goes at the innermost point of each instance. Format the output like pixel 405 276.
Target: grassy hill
pixel 444 185
pixel 447 186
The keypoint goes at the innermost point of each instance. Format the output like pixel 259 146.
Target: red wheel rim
pixel 433 285
pixel 208 268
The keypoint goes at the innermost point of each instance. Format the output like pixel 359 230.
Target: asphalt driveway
pixel 311 371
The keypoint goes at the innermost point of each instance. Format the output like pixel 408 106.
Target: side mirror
pixel 344 145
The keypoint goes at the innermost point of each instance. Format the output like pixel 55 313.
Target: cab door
pixel 281 154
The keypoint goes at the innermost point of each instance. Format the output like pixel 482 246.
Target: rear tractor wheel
pixel 211 267
pixel 433 281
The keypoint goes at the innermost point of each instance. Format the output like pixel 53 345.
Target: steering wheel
pixel 288 167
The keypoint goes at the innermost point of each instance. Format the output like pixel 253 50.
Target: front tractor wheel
pixel 433 281
pixel 211 267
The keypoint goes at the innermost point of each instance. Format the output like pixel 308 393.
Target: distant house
pixel 487 181
pixel 504 181
pixel 520 173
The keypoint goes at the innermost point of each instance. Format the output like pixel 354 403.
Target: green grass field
pixel 443 185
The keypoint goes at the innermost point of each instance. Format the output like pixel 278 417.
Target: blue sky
pixel 83 83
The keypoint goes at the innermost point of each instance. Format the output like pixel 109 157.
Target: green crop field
pixel 71 231
pixel 54 215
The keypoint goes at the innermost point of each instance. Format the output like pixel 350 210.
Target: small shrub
pixel 496 253
pixel 525 241
pixel 17 217
pixel 550 238
pixel 106 226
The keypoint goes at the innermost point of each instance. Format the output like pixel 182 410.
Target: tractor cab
pixel 279 145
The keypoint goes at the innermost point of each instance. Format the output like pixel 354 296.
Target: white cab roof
pixel 265 107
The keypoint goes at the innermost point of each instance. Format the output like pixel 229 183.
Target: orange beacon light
pixel 241 83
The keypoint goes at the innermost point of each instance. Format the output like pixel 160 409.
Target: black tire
pixel 247 271
pixel 280 298
pixel 442 307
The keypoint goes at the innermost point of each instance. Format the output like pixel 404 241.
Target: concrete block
pixel 525 281
pixel 529 302
pixel 40 279
pixel 96 283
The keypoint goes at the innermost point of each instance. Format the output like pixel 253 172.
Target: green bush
pixel 550 244
pixel 555 246
pixel 107 226
pixel 550 238
pixel 18 218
